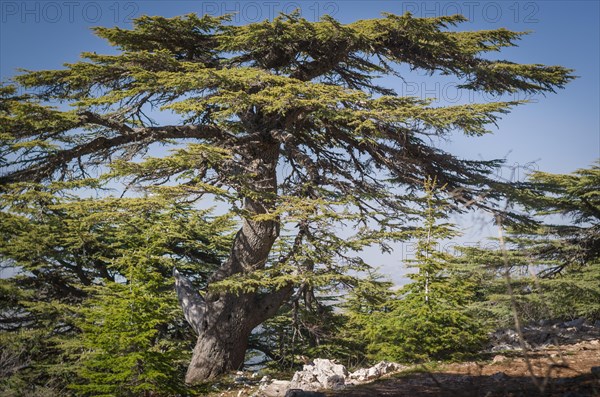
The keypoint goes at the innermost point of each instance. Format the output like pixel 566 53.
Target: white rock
pixel 386 367
pixel 276 388
pixel 323 374
pixel 360 375
pixel 375 372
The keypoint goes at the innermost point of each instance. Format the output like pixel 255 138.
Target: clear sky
pixel 556 133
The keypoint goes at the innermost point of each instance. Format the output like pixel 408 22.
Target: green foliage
pixel 425 319
pixel 124 348
pixel 567 255
pixel 90 309
pixel 128 343
pixel 364 305
pixel 282 121
pixel 309 86
pixel 554 267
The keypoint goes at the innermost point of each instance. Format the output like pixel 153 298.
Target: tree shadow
pixel 459 385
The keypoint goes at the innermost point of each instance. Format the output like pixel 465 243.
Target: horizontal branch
pixel 43 167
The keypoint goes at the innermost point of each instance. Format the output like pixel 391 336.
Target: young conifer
pixel 426 319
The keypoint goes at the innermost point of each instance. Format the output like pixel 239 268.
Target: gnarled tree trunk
pixel 224 320
pixel 223 335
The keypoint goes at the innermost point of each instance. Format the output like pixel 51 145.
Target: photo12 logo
pixel 452 93
pixel 475 11
pixel 256 11
pixel 516 172
pixel 67 11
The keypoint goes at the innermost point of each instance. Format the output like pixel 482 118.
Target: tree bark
pixel 224 332
pixel 227 319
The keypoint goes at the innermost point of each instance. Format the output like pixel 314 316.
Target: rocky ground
pixel 560 359
pixel 564 371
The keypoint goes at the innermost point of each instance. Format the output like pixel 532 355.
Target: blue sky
pixel 556 133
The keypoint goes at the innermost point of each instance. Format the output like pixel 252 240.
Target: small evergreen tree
pixel 426 319
pixel 363 305
pixel 129 345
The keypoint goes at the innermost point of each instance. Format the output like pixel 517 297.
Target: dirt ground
pixel 552 371
pixel 564 371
